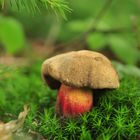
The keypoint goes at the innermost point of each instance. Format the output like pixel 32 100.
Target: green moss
pixel 115 116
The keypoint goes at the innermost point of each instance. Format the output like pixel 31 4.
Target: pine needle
pixel 59 7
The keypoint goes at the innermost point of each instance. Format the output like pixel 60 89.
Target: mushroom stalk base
pixel 73 101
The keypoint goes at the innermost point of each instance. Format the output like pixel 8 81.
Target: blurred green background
pixel 45 28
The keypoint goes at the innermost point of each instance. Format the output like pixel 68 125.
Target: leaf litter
pixel 7 129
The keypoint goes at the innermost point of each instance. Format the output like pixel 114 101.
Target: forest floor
pixel 116 115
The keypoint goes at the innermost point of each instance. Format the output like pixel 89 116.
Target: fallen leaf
pixel 6 129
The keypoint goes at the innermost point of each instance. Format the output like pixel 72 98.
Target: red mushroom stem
pixel 73 101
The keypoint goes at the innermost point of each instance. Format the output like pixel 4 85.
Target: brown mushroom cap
pixel 80 69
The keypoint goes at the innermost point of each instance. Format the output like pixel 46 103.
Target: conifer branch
pixel 59 7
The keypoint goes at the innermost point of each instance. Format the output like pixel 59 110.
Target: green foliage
pixel 35 6
pixel 116 28
pixel 11 30
pixel 85 134
pixel 58 6
pixel 79 25
pixel 116 115
pixel 129 70
pixel 96 41
pixel 11 35
pixel 124 49
pixel 4 72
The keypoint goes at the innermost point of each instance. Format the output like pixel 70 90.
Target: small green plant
pixel 12 43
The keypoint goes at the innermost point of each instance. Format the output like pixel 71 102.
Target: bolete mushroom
pixel 76 74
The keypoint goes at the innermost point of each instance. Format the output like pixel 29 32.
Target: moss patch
pixel 115 116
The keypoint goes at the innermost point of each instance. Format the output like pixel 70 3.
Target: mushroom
pixel 75 74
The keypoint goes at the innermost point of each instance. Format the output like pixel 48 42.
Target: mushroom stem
pixel 73 101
